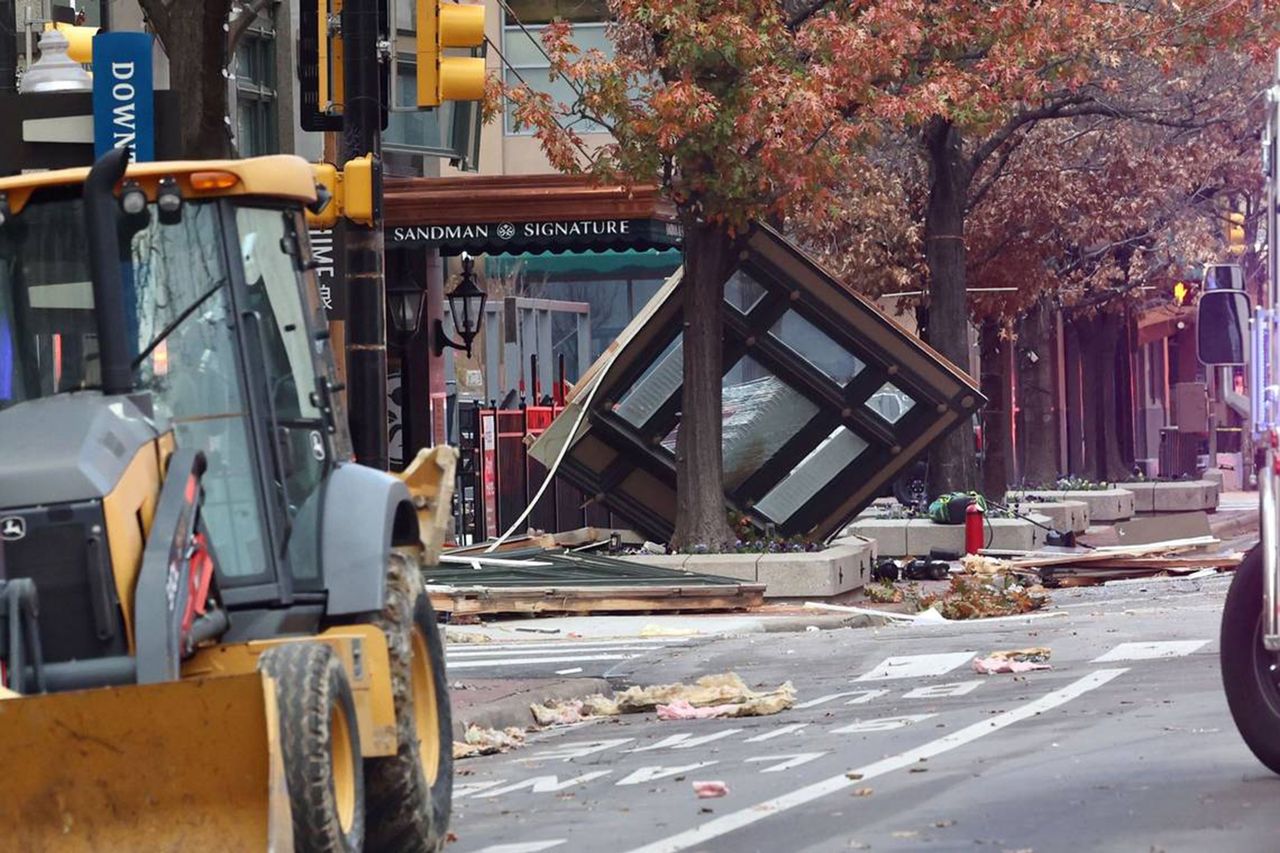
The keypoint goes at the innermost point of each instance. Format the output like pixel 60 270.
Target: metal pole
pixel 8 47
pixel 363 246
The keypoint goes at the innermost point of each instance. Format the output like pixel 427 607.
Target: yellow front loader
pixel 213 632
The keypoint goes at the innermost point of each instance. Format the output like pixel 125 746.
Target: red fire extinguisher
pixel 973 519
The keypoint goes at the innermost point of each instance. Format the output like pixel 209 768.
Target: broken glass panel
pixel 815 347
pixel 761 414
pixel 890 403
pixel 812 475
pixel 655 386
pixel 743 292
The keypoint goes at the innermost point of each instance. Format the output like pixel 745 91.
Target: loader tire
pixel 1249 675
pixel 320 743
pixel 410 793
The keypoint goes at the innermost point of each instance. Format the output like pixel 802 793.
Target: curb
pixel 513 708
pixel 798 624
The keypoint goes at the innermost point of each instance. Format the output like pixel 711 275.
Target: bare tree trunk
pixel 1036 398
pixel 701 519
pixel 195 40
pixel 995 420
pixel 952 461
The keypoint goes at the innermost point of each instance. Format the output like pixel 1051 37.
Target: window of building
pixel 523 23
pixel 256 126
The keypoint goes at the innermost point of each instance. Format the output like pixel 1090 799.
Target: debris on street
pixel 723 695
pixel 710 790
pixel 710 690
pixel 482 741
pixel 973 597
pixel 1013 660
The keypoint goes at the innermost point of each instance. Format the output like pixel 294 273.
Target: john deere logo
pixel 12 528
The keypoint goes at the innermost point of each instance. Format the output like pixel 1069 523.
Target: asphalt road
pixel 1125 745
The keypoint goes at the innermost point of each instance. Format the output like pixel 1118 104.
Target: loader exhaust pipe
pixel 102 219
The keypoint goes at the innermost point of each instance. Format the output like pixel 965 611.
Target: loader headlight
pixel 168 200
pixel 132 199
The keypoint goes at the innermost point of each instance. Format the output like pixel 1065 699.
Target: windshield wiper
pixel 173 324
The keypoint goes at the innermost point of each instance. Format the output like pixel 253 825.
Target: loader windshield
pixel 181 334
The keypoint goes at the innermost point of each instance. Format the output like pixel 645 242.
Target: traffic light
pixel 1184 292
pixel 449 78
pixel 353 192
pixel 1235 233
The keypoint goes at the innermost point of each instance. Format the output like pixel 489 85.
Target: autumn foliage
pixel 946 134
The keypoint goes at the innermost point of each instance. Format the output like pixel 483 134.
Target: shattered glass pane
pixel 812 475
pixel 815 347
pixel 743 292
pixel 761 414
pixel 890 403
pixel 654 387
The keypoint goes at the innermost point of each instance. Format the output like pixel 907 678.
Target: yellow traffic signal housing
pixel 352 193
pixel 449 78
pixel 324 214
pixel 1235 233
pixel 359 193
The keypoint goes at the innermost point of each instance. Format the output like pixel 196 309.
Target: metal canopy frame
pixel 629 465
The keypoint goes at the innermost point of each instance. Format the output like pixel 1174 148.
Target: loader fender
pixel 366 512
pixel 185 765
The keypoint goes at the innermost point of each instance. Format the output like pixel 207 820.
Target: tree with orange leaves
pixel 745 109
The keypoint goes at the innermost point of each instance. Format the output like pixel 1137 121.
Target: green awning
pixel 651 263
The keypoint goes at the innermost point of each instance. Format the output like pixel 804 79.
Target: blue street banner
pixel 124 110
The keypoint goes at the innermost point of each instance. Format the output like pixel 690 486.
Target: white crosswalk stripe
pixel 1151 651
pixel 917 666
pixel 550 655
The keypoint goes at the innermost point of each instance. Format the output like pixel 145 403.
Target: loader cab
pixel 226 345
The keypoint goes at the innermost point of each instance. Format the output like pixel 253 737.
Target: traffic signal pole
pixel 362 245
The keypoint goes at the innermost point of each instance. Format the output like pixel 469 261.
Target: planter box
pixel 1184 496
pixel 831 571
pixel 1105 505
pixel 916 537
pixel 1066 516
pixel 843 566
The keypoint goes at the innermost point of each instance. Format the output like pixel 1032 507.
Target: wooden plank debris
pixel 558 581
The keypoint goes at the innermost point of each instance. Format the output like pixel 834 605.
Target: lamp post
pixel 466 306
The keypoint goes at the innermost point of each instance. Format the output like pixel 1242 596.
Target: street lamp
pixel 404 303
pixel 466 304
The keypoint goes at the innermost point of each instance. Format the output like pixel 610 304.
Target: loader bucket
pixel 185 765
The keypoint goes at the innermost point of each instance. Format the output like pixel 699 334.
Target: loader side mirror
pixel 1222 327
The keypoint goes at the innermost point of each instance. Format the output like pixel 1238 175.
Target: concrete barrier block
pixel 1105 505
pixel 833 571
pixel 890 534
pixel 662 561
pixel 737 566
pixel 1065 516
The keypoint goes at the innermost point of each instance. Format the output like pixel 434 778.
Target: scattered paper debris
pixel 1013 660
pixel 682 710
pixel 465 637
pixel 664 631
pixel 864 792
pixel 977 564
pixel 710 790
pixel 812 629
pixel 723 689
pixel 569 671
pixel 564 712
pixel 482 741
